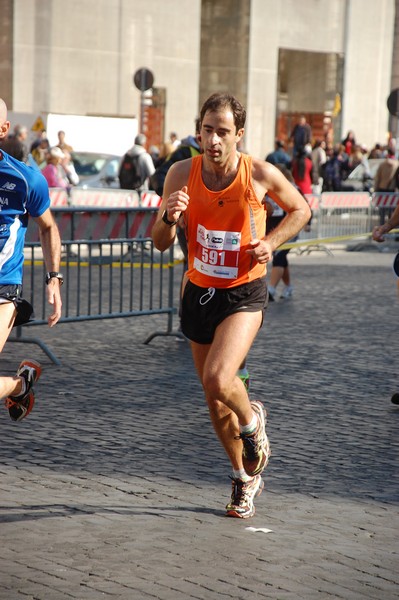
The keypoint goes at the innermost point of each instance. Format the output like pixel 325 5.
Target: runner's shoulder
pixel 180 169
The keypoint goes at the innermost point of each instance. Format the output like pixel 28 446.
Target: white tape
pixel 259 529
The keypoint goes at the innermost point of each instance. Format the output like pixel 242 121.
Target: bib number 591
pixel 212 257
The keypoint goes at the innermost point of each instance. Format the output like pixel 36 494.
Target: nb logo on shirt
pixel 8 186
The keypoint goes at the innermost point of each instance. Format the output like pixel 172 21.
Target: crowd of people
pixel 319 166
pixel 316 165
pixel 54 162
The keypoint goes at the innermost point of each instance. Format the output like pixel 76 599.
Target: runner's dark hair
pixel 219 101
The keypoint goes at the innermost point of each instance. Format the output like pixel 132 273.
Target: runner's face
pixel 218 136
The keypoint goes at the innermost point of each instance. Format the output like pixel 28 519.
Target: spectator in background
pixel 302 168
pixel 387 180
pixel 174 140
pixel 40 135
pixel 188 148
pixel 376 151
pixel 154 153
pixel 301 135
pixel 165 151
pixel 279 156
pixel 332 171
pixel 356 158
pixel 349 142
pixel 319 158
pixel 39 152
pixel 136 167
pixel 62 143
pixel 15 144
pixel 280 269
pixel 70 175
pixel 386 176
pixel 53 172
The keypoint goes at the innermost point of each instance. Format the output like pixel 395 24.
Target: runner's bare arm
pixel 51 246
pixel 267 178
pixel 174 202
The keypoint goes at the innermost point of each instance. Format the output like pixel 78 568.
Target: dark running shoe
pixel 19 407
pixel 256 448
pixel 241 505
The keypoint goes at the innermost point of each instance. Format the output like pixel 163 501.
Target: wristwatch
pixel 53 274
pixel 166 220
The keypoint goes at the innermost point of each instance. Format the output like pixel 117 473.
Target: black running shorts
pixel 203 309
pixel 12 293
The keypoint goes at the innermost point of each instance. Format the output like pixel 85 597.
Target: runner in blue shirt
pixel 23 193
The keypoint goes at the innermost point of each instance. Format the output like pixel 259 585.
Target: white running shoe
pixel 287 292
pixel 241 505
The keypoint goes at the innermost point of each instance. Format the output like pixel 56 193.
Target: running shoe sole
pixel 19 409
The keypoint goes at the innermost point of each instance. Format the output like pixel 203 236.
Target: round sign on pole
pixel 143 79
pixel 393 102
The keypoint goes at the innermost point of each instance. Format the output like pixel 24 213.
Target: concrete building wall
pixel 6 50
pixel 225 34
pixel 367 73
pixel 79 57
pixel 319 26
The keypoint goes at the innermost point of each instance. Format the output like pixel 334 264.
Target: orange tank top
pixel 219 227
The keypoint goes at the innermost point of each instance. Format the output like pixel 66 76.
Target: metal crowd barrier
pixel 383 205
pixel 338 216
pixel 110 266
pixel 112 269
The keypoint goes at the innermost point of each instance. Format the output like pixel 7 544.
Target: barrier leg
pixel 315 246
pixel 169 331
pixel 36 341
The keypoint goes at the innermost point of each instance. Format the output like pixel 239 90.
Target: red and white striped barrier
pixel 313 200
pixel 90 223
pixel 112 198
pixel 58 197
pixel 150 199
pixel 345 200
pixel 385 199
pixel 109 198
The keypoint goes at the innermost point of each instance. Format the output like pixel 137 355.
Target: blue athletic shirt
pixel 23 192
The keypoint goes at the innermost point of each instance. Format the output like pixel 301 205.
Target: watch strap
pixel 54 274
pixel 166 220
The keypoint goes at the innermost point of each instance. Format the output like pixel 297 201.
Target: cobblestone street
pixel 115 486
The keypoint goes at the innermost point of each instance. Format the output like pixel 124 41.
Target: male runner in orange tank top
pixel 218 195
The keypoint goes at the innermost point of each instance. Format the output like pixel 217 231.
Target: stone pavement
pixel 114 487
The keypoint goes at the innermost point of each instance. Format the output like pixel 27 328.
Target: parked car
pixel 96 170
pixel 361 179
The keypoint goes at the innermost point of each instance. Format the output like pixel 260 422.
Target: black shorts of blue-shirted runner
pixel 12 293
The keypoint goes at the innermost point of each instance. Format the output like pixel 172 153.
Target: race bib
pixel 217 253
